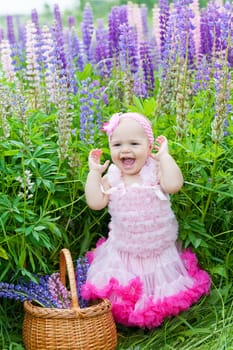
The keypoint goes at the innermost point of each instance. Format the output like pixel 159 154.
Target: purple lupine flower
pixel 37 292
pixel 147 67
pixel 69 36
pixel 91 97
pixel 202 75
pixel 139 88
pixel 35 20
pixel 82 266
pixel 226 29
pixel 185 47
pixel 144 17
pixel 59 39
pixel 61 296
pixel 74 51
pixel 1 34
pixel 123 14
pixel 128 49
pixel 164 13
pixel 87 28
pixel 101 53
pixel 206 43
pixel 210 30
pixel 113 39
pixel 223 109
pixel 10 30
pixel 195 6
pixel 71 21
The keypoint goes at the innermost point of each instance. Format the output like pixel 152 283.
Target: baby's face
pixel 129 146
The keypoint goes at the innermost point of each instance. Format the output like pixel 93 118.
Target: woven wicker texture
pixel 90 328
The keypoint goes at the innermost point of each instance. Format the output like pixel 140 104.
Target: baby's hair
pixel 114 121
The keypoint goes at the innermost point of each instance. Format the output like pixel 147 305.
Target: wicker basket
pixel 88 328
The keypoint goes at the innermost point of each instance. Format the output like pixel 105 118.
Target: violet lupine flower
pixel 61 296
pixel 128 49
pixel 210 30
pixel 35 20
pixel 31 291
pixel 226 28
pixel 82 266
pixel 59 40
pixel 147 68
pixel 101 51
pixel 91 98
pixel 223 109
pixel 71 21
pixel 87 28
pixel 202 75
pixel 164 13
pixel 10 30
pixel 114 33
pixel 69 36
pixel 185 47
pixel 144 17
pixel 75 57
pixel 1 34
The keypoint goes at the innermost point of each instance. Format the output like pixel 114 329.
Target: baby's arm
pixel 95 197
pixel 171 178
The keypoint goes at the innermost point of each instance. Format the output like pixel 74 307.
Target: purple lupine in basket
pixel 87 29
pixel 37 292
pixel 61 296
pixel 82 266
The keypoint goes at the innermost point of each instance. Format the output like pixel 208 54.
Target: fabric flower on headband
pixel 111 125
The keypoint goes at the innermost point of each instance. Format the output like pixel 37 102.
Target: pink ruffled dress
pixel 139 267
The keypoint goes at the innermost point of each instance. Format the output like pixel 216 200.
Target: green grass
pixel 207 325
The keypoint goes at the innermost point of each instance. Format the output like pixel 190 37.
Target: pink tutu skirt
pixel 145 291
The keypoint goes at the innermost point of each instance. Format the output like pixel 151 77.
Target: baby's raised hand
pixel 161 147
pixel 94 161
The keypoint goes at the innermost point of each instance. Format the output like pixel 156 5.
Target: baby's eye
pixel 116 144
pixel 134 143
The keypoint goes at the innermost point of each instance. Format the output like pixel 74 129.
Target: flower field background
pixel 58 83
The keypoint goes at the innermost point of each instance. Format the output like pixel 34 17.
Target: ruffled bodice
pixel 141 217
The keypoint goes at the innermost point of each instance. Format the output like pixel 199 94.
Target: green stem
pixel 209 198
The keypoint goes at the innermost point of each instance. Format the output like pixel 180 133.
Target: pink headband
pixel 113 122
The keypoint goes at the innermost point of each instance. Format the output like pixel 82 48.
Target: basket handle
pixel 66 263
